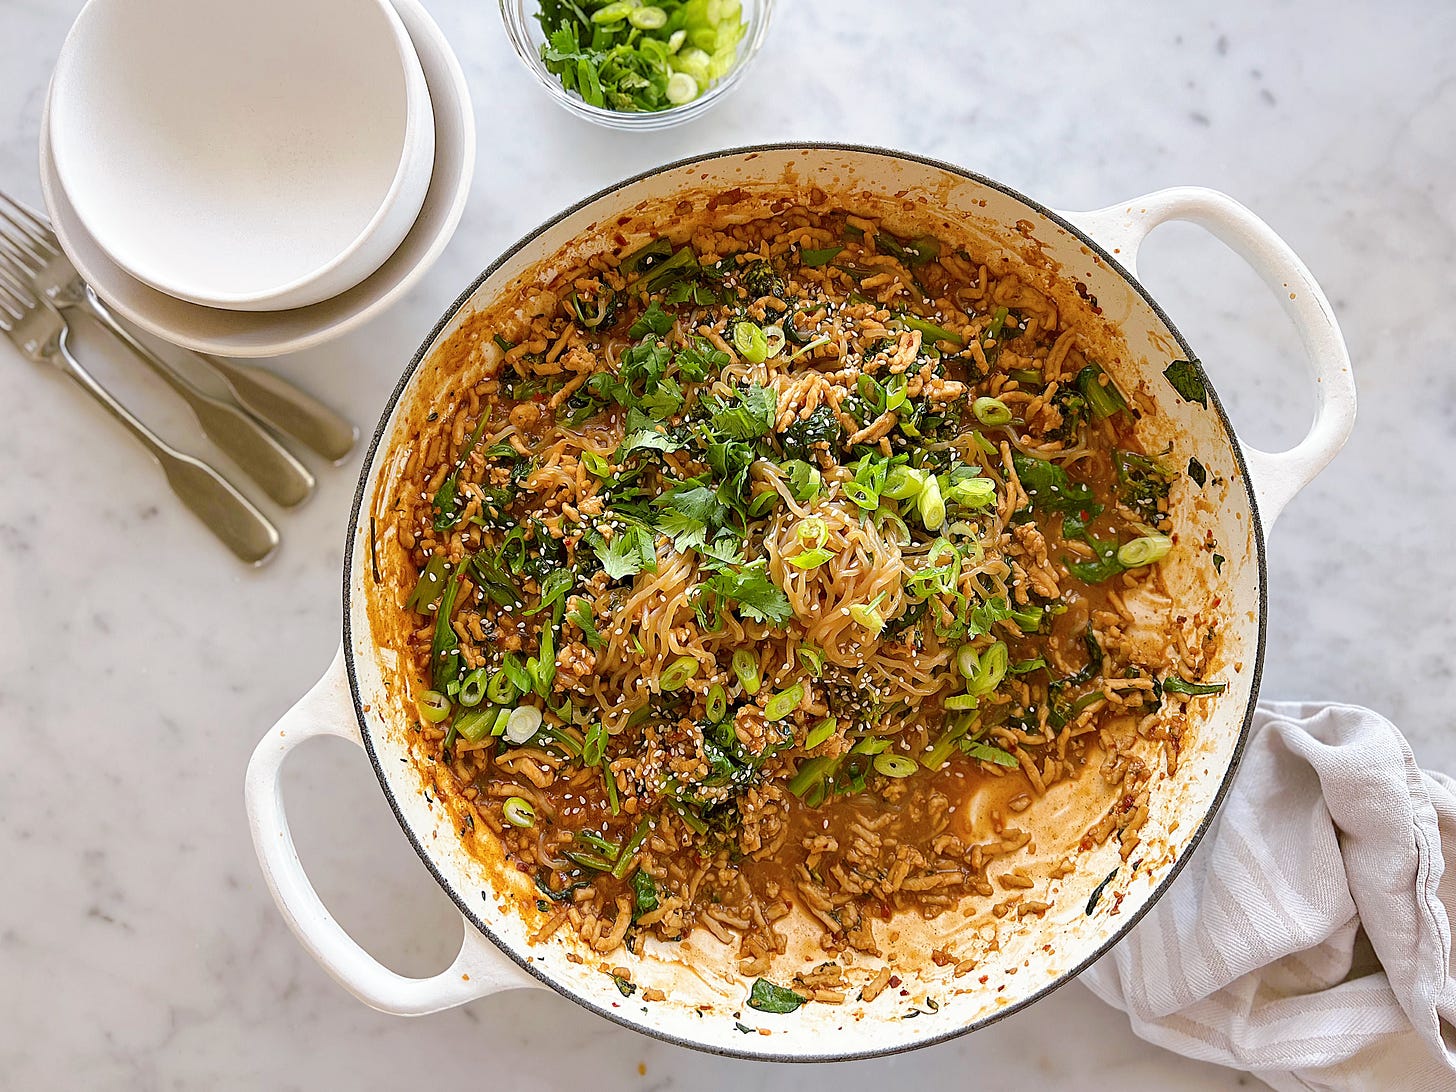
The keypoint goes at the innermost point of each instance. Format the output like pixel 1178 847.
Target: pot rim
pixel 529 965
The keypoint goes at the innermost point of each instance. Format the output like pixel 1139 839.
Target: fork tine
pixel 27 259
pixel 31 222
pixel 21 237
pixel 15 282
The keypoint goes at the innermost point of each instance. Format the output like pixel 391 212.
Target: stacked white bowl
pixel 250 179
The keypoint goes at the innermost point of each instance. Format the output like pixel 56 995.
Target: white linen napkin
pixel 1308 940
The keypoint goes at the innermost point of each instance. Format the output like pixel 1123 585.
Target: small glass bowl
pixel 525 34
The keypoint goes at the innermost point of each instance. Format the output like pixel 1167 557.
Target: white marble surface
pixel 139 664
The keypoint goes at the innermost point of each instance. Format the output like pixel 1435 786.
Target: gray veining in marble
pixel 138 948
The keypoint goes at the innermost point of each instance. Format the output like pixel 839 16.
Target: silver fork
pixel 40 332
pixel 267 396
pixel 259 456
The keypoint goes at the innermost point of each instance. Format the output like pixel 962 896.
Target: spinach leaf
pixel 766 997
pixel 1185 378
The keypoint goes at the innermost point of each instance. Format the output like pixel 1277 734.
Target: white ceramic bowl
pixel 254 156
pixel 262 334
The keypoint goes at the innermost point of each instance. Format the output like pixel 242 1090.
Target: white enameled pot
pixel 1018 959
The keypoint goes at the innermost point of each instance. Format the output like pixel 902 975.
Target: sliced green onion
pixel 674 43
pixel 973 492
pixel 502 718
pixel 812 532
pixel 649 18
pixel 749 340
pixel 745 666
pixel 895 765
pixel 681 88
pixel 969 661
pixel 717 703
pixel 473 687
pixel 994 663
pixel 476 724
pixel 433 706
pixel 1026 377
pixel 812 659
pixel 998 323
pixel 984 444
pixel 523 723
pixel 1022 667
pixel 818 342
pixel 501 689
pixel 868 615
pixel 862 495
pixel 871 745
pixel 903 483
pixel 630 850
pixel 895 388
pixel 774 336
pixel 613 13
pixel 518 812
pixel 811 559
pixel 596 465
pixel 991 411
pixel 1143 551
pixel 820 732
pixel 961 703
pixel 677 673
pixel 784 702
pixel 803 478
pixel 811 774
pixel 886 518
pixel 931 505
pixel 594 744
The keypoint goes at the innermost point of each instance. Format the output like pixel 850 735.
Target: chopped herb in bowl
pixel 631 56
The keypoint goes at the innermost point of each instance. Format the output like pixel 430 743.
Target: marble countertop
pixel 138 946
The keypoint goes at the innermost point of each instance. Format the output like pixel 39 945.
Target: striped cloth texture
pixel 1308 940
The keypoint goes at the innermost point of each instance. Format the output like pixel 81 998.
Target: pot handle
pixel 478 970
pixel 1277 476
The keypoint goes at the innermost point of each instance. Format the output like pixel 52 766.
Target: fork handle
pixel 286 408
pixel 227 513
pixel 261 457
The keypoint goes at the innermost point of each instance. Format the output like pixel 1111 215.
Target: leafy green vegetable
pixel 1143 484
pixel 767 997
pixel 1174 684
pixel 760 279
pixel 820 427
pixel 757 596
pixel 553 589
pixel 1185 378
pixel 431 583
pixel 988 753
pixel 582 616
pixel 1103 398
pixel 654 320
pixel 644 440
pixel 815 259
pixel 1049 487
pixel 445 645
pixel 446 502
pixel 644 894
pixel 929 329
pixel 636 58
pixel 751 417
pixel 630 551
